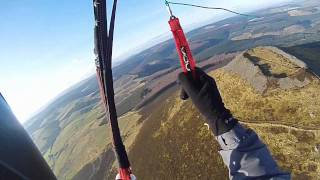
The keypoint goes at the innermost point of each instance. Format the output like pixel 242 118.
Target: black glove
pixel 206 97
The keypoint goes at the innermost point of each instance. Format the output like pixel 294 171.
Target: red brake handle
pixel 185 55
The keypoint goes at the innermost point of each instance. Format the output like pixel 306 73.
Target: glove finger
pixel 205 89
pixel 183 94
pixel 199 71
pixel 203 77
pixel 188 85
pixel 209 87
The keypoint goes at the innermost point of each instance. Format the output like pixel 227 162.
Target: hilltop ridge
pixel 267 68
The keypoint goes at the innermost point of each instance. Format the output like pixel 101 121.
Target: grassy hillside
pixel 174 144
pixel 85 144
pixel 275 116
pixel 297 107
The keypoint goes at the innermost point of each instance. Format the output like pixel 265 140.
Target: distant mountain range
pixel 73 134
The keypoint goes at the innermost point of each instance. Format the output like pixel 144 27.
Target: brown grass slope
pixel 275 117
pixel 174 144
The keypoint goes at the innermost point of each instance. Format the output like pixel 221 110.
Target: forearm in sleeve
pixel 247 157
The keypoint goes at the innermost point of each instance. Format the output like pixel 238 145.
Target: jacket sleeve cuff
pixel 246 156
pixel 234 137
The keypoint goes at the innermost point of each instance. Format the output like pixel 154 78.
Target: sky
pixel 47 45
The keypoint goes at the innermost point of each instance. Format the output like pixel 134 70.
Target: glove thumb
pixel 183 94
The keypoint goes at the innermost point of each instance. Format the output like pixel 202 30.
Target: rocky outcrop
pixel 268 68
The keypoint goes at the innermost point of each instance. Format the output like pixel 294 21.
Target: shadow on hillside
pixel 264 67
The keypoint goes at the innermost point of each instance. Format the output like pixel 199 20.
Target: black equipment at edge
pixel 19 156
pixel 103 51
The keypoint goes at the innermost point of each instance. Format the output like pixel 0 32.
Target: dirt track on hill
pixel 265 124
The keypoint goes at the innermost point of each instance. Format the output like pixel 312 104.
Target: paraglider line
pixel 213 8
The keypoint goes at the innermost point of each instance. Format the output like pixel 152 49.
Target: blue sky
pixel 47 45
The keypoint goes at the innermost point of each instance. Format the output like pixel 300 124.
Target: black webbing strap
pixel 103 51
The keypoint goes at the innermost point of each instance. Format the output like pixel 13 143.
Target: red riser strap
pixel 125 174
pixel 186 59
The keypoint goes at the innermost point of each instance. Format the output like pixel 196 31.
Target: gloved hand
pixel 206 97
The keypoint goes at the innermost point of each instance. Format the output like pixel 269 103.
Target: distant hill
pixel 276 27
pixel 73 134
